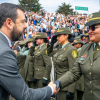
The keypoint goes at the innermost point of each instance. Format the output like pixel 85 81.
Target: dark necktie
pixel 96 49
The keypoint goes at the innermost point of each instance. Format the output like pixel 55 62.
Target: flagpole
pixel 99 5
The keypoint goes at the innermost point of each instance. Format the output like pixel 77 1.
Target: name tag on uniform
pixel 55 55
pixel 81 59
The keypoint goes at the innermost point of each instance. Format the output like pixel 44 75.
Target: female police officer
pixel 88 63
pixel 64 59
pixel 42 62
pixel 27 72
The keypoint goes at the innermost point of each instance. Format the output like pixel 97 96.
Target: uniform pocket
pixel 38 56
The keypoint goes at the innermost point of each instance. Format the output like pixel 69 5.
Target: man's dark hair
pixel 8 10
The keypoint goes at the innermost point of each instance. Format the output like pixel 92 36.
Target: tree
pixel 32 5
pixel 65 9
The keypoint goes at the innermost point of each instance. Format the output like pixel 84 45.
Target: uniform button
pixel 90 73
pixel 90 82
pixel 91 91
pixel 91 64
pixel 38 69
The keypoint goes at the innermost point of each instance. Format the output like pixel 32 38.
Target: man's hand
pixel 54 87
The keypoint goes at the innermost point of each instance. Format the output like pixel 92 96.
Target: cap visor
pixel 90 23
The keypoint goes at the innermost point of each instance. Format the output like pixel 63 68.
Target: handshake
pixel 56 86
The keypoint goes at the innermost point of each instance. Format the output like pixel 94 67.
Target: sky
pixel 52 5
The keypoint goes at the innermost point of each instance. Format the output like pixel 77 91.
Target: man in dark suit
pixel 12 25
pixel 42 29
pixel 48 31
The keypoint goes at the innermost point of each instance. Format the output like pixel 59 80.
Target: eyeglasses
pixel 93 27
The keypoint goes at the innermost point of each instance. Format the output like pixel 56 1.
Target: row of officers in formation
pixel 45 62
pixel 74 67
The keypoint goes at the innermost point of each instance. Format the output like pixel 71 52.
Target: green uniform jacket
pixel 80 82
pixel 21 60
pixel 51 51
pixel 63 61
pixel 90 68
pixel 28 70
pixel 42 63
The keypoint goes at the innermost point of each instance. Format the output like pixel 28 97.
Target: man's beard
pixel 15 34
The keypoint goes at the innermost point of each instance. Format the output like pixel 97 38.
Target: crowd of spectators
pixel 49 23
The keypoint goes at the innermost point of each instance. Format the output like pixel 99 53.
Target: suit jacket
pixel 11 81
pixel 63 61
pixel 90 68
pixel 80 82
pixel 42 63
pixel 48 31
pixel 43 30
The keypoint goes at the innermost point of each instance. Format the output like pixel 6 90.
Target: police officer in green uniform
pixel 78 43
pixel 42 62
pixel 27 72
pixel 64 59
pixel 21 58
pixel 86 37
pixel 88 63
pixel 25 49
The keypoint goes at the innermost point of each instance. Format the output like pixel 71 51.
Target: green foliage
pixel 75 13
pixel 32 5
pixel 65 9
